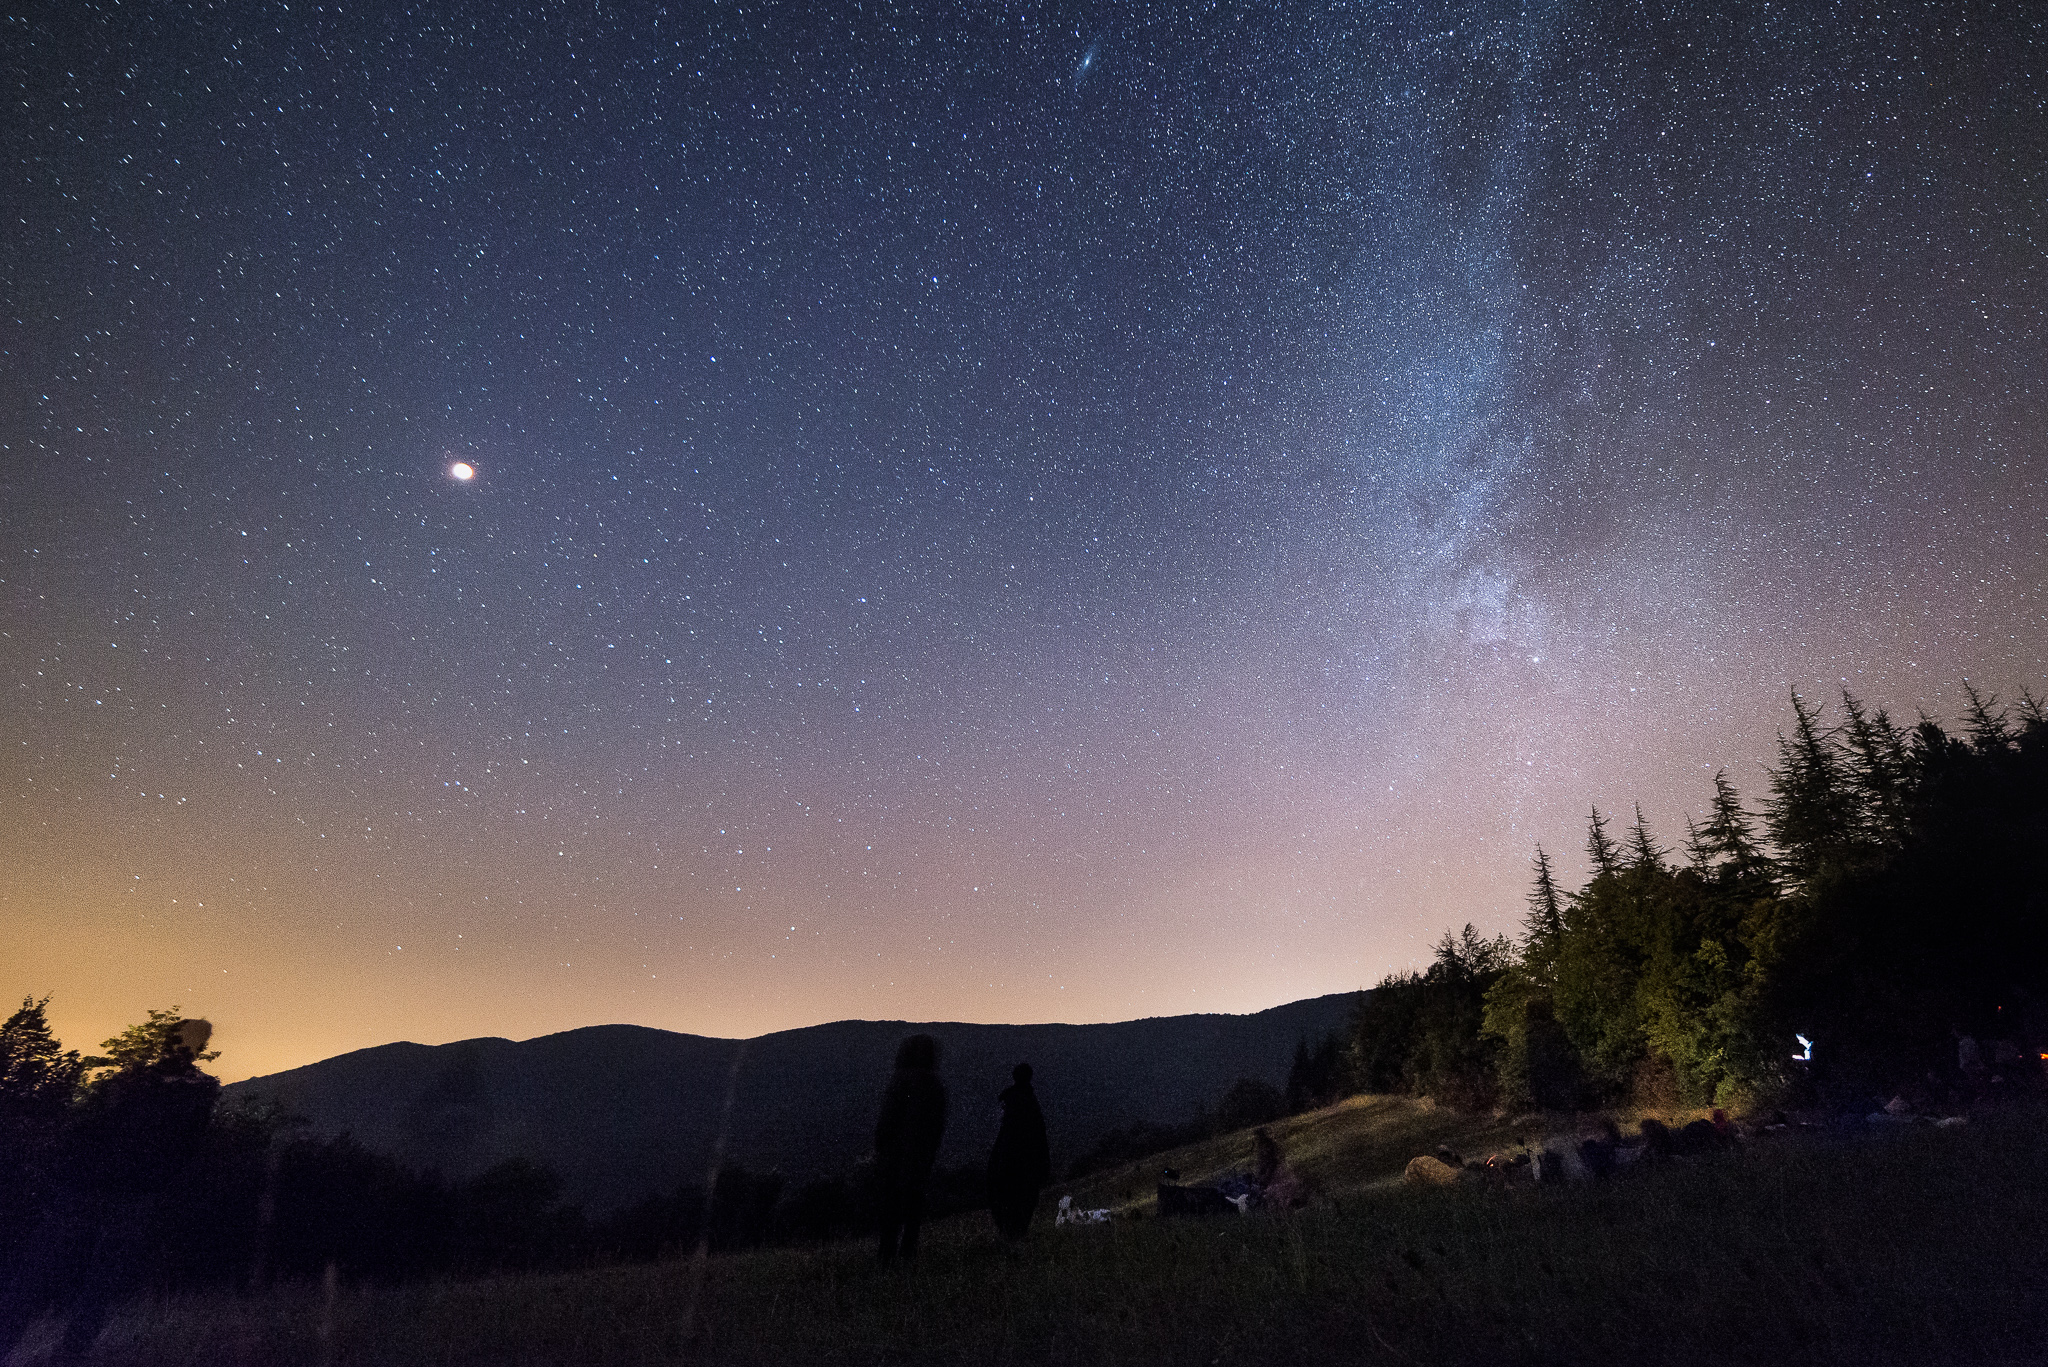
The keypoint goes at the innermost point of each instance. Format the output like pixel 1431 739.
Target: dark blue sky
pixel 1068 513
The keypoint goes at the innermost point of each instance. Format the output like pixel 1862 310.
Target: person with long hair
pixel 907 1138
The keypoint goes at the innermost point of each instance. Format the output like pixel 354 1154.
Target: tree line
pixel 1887 897
pixel 124 1173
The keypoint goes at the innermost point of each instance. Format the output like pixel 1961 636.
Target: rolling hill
pixel 623 1111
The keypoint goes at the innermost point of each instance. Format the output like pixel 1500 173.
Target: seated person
pixel 1279 1188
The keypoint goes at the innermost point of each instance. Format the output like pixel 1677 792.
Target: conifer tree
pixel 1644 855
pixel 1544 925
pixel 1699 855
pixel 2033 720
pixel 1467 955
pixel 1989 734
pixel 1600 847
pixel 1728 839
pixel 1815 813
pixel 1934 751
pixel 1877 762
pixel 1535 1063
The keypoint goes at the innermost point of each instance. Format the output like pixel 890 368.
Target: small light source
pixel 462 470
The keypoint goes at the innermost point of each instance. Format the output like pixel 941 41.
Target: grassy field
pixel 1359 1143
pixel 1906 1245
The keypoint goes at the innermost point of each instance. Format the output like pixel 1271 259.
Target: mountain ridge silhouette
pixel 620 1112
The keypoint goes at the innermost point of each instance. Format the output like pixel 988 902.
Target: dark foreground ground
pixel 1896 1246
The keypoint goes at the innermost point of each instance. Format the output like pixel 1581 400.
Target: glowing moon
pixel 462 470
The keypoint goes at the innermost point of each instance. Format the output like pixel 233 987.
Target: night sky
pixel 1038 513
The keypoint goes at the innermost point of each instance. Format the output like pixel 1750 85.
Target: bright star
pixel 462 470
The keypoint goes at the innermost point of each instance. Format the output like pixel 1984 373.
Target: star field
pixel 1067 513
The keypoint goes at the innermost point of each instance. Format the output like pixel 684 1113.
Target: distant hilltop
pixel 623 1111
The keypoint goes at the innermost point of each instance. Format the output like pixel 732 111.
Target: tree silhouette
pixel 1644 854
pixel 1815 815
pixel 38 1076
pixel 1543 927
pixel 1312 1076
pixel 1600 849
pixel 1988 731
pixel 38 1079
pixel 1728 839
pixel 2033 720
pixel 1879 766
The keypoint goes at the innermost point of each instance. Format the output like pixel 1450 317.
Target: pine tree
pixel 1877 762
pixel 1699 851
pixel 2033 720
pixel 1467 955
pixel 1600 848
pixel 1644 856
pixel 1815 813
pixel 1544 924
pixel 1728 835
pixel 1989 734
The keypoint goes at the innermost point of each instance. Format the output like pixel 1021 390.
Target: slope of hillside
pixel 621 1111
pixel 1362 1141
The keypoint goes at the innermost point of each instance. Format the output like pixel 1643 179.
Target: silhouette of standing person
pixel 1021 1162
pixel 907 1142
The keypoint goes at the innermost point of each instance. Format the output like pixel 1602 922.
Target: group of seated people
pixel 1270 1185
